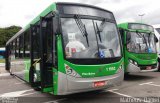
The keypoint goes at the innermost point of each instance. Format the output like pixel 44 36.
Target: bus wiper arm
pixel 149 39
pixel 142 36
pixel 98 32
pixel 82 28
pixel 96 38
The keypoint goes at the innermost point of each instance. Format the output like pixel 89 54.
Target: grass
pixel 2 60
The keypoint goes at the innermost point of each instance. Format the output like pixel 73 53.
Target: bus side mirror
pixel 156 39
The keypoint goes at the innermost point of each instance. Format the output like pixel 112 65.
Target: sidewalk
pixel 2 68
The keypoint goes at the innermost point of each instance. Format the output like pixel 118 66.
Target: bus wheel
pixel 127 73
pixel 158 64
pixel 159 68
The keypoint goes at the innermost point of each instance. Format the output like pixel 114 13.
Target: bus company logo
pixel 88 74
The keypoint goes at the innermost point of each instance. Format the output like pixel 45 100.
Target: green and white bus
pixel 139 47
pixel 68 48
pixel 157 33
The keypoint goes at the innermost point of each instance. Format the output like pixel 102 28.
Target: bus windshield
pixel 141 42
pixel 92 39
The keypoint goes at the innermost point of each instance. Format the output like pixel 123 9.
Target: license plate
pixel 148 68
pixel 99 84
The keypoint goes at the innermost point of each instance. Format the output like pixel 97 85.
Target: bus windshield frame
pixel 102 60
pixel 140 42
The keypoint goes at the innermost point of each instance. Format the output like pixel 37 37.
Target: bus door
pixel 34 73
pixel 46 53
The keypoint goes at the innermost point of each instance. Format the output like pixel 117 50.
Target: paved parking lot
pixel 135 86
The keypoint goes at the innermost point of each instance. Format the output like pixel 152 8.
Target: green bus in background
pixel 68 48
pixel 139 47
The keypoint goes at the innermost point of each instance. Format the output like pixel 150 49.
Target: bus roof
pixel 127 25
pixel 50 8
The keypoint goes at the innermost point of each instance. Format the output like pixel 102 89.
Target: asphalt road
pixel 135 88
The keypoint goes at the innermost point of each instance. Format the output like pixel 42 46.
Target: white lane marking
pixel 28 94
pixel 20 83
pixel 56 101
pixel 150 83
pixel 16 93
pixel 146 83
pixel 4 74
pixel 2 64
pixel 114 91
pixel 154 85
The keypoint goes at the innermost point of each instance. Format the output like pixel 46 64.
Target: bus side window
pixel 21 46
pixel 17 48
pixel 55 32
pixel 49 41
pixel 27 44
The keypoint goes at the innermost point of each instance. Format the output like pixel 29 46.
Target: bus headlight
pixel 71 72
pixel 133 62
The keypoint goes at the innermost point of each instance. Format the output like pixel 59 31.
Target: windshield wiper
pixel 100 29
pixel 98 33
pixel 149 39
pixel 96 39
pixel 142 36
pixel 82 27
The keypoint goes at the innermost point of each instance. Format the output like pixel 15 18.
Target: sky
pixel 21 12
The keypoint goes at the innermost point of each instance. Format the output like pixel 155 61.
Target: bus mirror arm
pixel 156 39
pixel 54 13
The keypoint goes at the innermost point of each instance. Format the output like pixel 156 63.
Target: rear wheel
pixel 158 64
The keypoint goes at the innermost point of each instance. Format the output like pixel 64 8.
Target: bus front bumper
pixel 133 68
pixel 72 85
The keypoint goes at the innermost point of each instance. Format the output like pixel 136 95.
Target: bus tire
pixel 158 65
pixel 127 73
pixel 37 88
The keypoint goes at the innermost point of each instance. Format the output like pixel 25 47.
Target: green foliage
pixel 7 33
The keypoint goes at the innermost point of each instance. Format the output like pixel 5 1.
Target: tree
pixel 6 33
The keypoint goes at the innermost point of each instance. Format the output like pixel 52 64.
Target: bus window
pixel 27 44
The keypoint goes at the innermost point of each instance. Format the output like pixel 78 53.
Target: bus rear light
pixel 71 72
